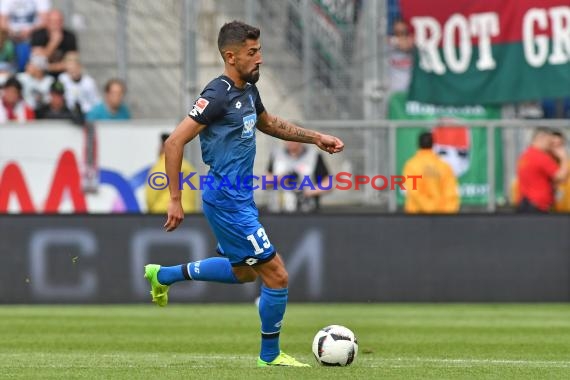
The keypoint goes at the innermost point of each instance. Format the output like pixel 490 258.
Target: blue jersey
pixel 228 141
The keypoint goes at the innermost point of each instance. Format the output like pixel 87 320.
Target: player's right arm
pixel 207 108
pixel 187 130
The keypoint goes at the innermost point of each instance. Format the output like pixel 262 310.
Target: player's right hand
pixel 175 215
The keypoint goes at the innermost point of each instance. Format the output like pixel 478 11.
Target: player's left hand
pixel 330 144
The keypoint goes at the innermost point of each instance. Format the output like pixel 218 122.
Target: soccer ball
pixel 335 345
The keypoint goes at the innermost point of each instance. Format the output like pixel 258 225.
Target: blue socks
pixel 272 304
pixel 170 275
pixel 215 269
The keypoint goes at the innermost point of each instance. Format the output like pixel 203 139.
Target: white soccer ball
pixel 335 345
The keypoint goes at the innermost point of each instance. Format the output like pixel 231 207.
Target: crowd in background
pixel 41 75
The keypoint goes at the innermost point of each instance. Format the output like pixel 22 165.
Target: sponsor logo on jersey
pixel 199 106
pixel 248 125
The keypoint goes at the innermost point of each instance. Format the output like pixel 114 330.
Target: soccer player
pixel 226 115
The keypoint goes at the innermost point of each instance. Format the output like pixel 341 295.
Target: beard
pixel 252 77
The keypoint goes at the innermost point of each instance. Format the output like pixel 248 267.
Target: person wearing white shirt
pixel 35 82
pixel 80 88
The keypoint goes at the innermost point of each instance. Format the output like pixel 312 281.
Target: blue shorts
pixel 241 238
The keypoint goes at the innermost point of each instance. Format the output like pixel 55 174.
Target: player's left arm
pixel 285 130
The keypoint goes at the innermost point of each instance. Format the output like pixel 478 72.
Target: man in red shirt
pixel 538 172
pixel 12 105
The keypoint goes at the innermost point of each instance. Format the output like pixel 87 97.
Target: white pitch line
pixel 528 363
pixel 122 360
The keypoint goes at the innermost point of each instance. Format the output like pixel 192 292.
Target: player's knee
pixel 281 278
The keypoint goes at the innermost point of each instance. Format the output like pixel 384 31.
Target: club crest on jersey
pixel 248 125
pixel 199 106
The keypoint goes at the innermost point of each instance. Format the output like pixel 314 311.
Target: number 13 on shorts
pixel 258 240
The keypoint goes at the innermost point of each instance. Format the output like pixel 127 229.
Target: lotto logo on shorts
pixel 251 261
pixel 248 124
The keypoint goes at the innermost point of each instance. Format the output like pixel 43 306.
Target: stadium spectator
pixel 6 71
pixel 35 83
pixel 541 167
pixel 113 106
pixel 54 41
pixel 21 18
pixel 81 93
pixel 297 161
pixel 56 108
pixel 400 57
pixel 562 192
pixel 7 51
pixel 157 200
pixel 13 107
pixel 437 190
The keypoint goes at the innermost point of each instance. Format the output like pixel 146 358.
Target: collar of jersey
pixel 231 82
pixel 228 79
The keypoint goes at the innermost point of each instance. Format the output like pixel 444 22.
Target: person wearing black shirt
pixel 56 108
pixel 54 42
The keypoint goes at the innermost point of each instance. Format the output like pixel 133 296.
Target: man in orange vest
pixel 437 189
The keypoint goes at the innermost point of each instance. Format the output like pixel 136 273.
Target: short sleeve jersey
pixel 228 141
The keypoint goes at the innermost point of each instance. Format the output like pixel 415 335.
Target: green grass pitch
pixel 197 341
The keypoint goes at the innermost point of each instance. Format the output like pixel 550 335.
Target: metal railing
pixel 515 138
pixel 372 148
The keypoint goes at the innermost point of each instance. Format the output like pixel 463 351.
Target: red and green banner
pixel 463 147
pixel 489 52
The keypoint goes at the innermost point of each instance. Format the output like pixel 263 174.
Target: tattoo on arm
pixel 288 131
